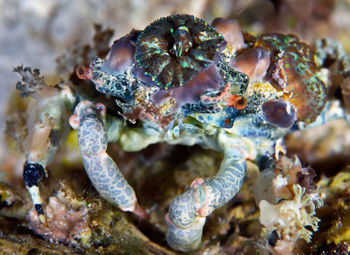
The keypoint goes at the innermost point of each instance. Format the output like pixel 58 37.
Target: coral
pixel 289 219
pixel 173 49
pixel 31 80
pixel 292 69
pixel 67 218
pixel 294 173
pixel 290 209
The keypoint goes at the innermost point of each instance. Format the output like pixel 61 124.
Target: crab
pixel 182 81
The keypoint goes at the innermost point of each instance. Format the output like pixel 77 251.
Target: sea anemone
pixel 172 50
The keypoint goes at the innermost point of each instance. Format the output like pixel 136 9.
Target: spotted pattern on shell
pixel 173 49
pixel 293 70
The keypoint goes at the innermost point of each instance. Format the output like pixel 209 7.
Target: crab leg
pixel 48 127
pixel 37 143
pixel 188 211
pixel 100 167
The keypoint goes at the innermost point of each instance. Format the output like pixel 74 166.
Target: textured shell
pixel 172 50
pixel 294 70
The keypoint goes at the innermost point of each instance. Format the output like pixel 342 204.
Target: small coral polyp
pixel 181 82
pixel 289 207
pixel 293 69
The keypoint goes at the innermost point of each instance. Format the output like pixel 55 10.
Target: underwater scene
pixel 175 127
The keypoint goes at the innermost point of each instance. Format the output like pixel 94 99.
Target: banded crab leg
pixel 37 143
pixel 100 167
pixel 187 212
pixel 48 128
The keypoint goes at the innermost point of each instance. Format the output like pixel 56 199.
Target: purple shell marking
pixel 279 113
pixel 121 54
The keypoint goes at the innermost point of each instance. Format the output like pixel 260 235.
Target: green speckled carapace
pixel 172 50
pixel 293 69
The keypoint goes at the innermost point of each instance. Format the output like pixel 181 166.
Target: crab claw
pixel 74 121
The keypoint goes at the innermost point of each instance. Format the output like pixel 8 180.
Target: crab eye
pixel 240 103
pixel 279 113
pixel 83 72
pixel 236 101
